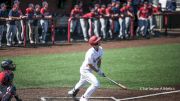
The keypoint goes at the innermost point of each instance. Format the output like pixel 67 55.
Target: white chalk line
pixel 149 95
pixel 44 98
pixel 113 98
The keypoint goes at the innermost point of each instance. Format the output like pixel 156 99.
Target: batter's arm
pixel 93 68
pixel 99 63
pixel 98 71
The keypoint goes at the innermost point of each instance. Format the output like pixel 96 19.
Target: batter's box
pixel 70 99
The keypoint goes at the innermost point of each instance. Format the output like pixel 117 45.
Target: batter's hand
pixel 101 73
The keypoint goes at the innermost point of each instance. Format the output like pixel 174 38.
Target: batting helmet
pixel 94 40
pixel 8 65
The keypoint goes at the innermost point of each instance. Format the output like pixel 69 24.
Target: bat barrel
pixel 118 84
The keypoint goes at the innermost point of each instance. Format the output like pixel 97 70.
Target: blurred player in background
pixel 3 18
pixel 30 16
pixel 122 31
pixel 129 17
pixel 36 23
pixel 143 15
pixel 109 20
pixel 75 15
pixel 44 22
pixel 103 21
pixel 11 26
pixel 96 23
pixel 156 9
pixel 83 22
pixel 19 24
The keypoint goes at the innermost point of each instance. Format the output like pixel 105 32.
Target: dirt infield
pixel 36 93
pixel 76 47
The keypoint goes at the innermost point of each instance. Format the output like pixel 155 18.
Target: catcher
pixel 7 88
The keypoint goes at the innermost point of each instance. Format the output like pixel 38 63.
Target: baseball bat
pixel 118 84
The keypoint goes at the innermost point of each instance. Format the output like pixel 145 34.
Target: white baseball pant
pixel 19 31
pixel 127 24
pixel 30 30
pixel 122 27
pixel 73 25
pixel 110 30
pixel 96 27
pixel 11 32
pixel 103 27
pixel 143 26
pixel 88 77
pixel 93 27
pixel 84 27
pixel 44 25
pixel 1 33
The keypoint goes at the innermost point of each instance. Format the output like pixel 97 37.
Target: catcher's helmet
pixel 94 40
pixel 8 65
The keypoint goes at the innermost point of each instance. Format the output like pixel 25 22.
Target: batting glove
pixel 101 73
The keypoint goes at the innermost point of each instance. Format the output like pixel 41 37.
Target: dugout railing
pixel 168 21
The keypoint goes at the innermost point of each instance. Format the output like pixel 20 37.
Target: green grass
pixel 150 66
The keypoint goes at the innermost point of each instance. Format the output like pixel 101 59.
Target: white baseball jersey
pixel 92 57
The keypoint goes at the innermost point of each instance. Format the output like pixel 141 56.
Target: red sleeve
pixel 129 8
pixel 100 11
pixel 123 9
pixel 155 10
pixel 2 76
pixel 42 11
pixel 108 11
pixel 140 10
pixel 27 11
pixel 72 12
pixel 88 15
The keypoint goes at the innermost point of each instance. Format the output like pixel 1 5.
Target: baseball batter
pixel 92 62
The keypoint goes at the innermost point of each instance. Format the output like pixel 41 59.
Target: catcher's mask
pixel 8 65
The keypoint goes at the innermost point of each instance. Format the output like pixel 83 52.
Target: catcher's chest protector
pixel 6 77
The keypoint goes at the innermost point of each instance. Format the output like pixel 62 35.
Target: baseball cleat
pixel 73 92
pixel 85 39
pixel 83 99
